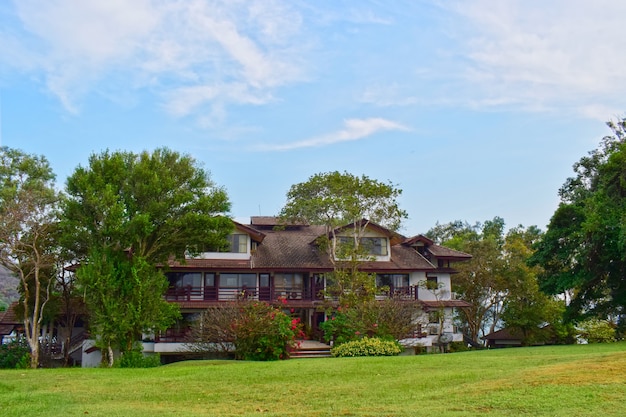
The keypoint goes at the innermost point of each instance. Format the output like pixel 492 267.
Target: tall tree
pixel 480 281
pixel 346 205
pixel 583 253
pixel 128 213
pixel 501 288
pixel 28 220
pixel 525 307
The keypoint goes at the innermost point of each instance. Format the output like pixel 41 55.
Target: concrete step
pixel 311 349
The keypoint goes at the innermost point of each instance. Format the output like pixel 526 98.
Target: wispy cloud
pixel 353 129
pixel 543 54
pixel 188 52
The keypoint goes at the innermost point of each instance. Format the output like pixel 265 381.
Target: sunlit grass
pixel 551 381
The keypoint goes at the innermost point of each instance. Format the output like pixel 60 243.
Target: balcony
pixel 271 294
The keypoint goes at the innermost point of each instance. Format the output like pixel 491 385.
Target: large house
pixel 270 261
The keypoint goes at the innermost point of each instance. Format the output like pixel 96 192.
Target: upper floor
pixel 267 260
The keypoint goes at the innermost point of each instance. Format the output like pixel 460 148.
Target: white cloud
pixel 544 54
pixel 187 51
pixel 354 129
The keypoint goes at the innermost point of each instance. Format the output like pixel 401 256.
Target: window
pixel 392 280
pixel 185 285
pixel 185 279
pixel 238 243
pixel 289 281
pixel 376 246
pixel 289 285
pixel 237 280
pixel 432 283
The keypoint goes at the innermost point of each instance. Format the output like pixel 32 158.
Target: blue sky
pixel 473 108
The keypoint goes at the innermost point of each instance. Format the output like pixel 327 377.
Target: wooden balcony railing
pixel 270 294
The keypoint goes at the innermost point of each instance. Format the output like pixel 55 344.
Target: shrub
pixel 367 346
pixel 136 359
pixel 264 332
pixel 597 331
pixel 388 319
pixel 15 354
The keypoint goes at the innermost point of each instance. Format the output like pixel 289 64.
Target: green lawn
pixel 543 381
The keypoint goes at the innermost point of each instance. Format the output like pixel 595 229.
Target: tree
pixel 28 220
pixel 583 253
pixel 127 214
pixel 525 307
pixel 345 203
pixel 498 283
pixel 480 281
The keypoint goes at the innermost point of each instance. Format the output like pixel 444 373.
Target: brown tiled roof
pixel 447 253
pixel 225 264
pixel 446 303
pixel 256 234
pixel 507 333
pixel 291 249
pixel 9 317
pixel 8 320
pixel 294 249
pixel 263 221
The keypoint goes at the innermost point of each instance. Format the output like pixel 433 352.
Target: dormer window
pixel 374 246
pixel 238 243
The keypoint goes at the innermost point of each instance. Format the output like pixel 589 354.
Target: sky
pixel 473 108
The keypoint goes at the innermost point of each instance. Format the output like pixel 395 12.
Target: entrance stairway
pixel 311 349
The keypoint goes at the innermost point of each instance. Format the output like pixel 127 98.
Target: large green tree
pixel 28 222
pixel 583 253
pixel 480 281
pixel 127 214
pixel 346 205
pixel 498 283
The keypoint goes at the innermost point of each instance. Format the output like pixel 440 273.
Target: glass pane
pixel 264 280
pixel 229 280
pixel 209 280
pixel 248 280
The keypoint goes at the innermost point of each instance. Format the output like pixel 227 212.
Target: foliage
pixel 346 205
pixel 335 199
pixel 127 302
pixel 597 331
pixel 367 346
pixel 389 318
pixel 583 252
pixel 214 330
pixel 497 282
pixel 126 214
pixel 15 354
pixel 258 331
pixel 264 332
pixel 28 223
pixel 135 358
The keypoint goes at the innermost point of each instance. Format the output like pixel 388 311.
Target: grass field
pixel 543 381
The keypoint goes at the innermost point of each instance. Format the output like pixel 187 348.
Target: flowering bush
pixel 264 332
pixel 367 346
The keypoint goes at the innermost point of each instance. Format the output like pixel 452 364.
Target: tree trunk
pixel 110 352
